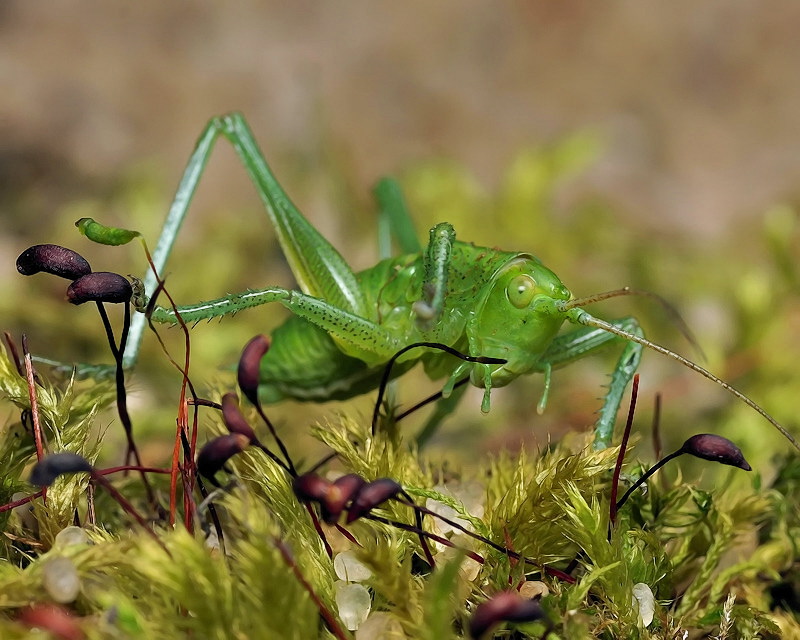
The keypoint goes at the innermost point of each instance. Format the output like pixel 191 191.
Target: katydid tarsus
pixel 346 326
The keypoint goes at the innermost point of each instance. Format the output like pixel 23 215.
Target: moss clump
pixel 693 549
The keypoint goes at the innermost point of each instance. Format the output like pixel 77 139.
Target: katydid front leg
pixel 577 344
pixel 576 315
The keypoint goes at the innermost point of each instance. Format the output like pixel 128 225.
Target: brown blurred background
pixel 696 108
pixel 699 105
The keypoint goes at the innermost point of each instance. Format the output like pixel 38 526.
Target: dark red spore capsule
pixel 49 468
pixel 101 286
pixel 371 495
pixel 709 446
pixel 250 365
pixel 217 452
pixel 341 492
pixel 506 606
pixel 234 419
pixel 310 487
pixel 53 259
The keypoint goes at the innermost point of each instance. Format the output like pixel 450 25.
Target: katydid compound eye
pixel 520 291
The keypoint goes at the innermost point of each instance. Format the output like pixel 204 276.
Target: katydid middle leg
pixel 357 336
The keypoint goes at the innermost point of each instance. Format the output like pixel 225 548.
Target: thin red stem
pixel 133 467
pixel 21 501
pixel 330 620
pixel 37 427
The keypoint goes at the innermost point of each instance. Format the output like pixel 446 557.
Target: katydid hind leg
pixel 169 232
pixel 394 221
pixel 319 269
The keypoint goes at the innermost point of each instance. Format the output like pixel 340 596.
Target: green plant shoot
pixel 345 326
pixel 101 234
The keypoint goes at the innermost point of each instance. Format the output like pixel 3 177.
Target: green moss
pixel 717 548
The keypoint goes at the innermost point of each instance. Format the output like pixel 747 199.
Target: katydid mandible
pixel 346 326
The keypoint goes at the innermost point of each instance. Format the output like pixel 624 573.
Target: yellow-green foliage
pixel 720 562
pixel 551 506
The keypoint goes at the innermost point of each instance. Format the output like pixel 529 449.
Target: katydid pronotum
pixel 346 326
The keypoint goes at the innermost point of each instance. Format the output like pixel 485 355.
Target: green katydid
pixel 346 326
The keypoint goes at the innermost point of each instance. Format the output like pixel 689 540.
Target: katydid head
pixel 516 319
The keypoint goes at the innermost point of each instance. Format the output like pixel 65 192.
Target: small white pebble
pixel 349 568
pixel 645 602
pixel 448 512
pixel 441 509
pixel 212 541
pixel 531 589
pixel 24 512
pixel 470 495
pixel 354 603
pixel 70 536
pixel 470 568
pixel 60 579
pixel 380 625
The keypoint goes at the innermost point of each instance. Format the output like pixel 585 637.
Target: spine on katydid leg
pixel 219 307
